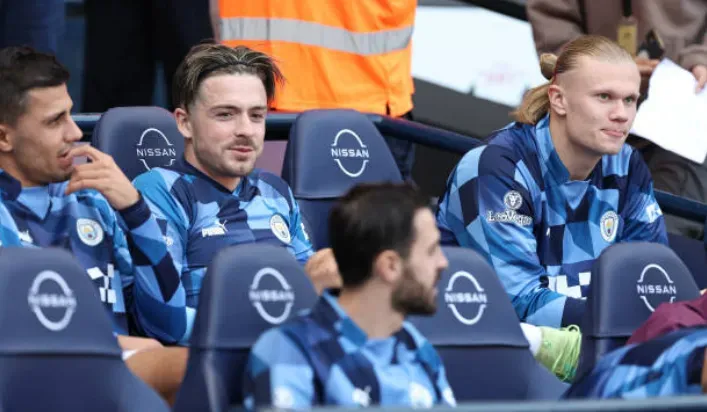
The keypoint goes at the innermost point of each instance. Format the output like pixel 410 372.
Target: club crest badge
pixel 609 225
pixel 90 232
pixel 280 229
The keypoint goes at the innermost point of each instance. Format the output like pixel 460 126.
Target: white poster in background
pixel 470 48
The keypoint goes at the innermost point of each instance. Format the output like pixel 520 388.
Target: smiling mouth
pixel 241 149
pixel 614 132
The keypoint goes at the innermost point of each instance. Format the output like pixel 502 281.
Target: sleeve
pixel 643 219
pixel 492 211
pixel 158 249
pixel 301 244
pixel 669 317
pixel 554 23
pixel 695 51
pixel 600 382
pixel 645 370
pixel 448 398
pixel 278 374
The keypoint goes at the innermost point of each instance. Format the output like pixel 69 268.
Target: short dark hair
pixel 21 70
pixel 208 59
pixel 370 219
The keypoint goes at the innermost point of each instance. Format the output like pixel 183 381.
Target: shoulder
pixel 271 185
pixel 167 189
pixel 286 342
pixel 504 150
pixel 157 177
pixel 427 353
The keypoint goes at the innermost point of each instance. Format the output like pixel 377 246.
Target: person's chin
pixel 61 176
pixel 612 150
pixel 242 169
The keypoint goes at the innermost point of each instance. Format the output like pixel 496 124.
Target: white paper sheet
pixel 674 117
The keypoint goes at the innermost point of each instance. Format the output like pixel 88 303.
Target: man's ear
pixel 6 138
pixel 558 103
pixel 388 266
pixel 183 123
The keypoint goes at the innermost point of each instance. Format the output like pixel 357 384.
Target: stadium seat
pixel 330 151
pixel 138 138
pixel 57 349
pixel 477 333
pixel 247 290
pixel 629 280
pixel 694 254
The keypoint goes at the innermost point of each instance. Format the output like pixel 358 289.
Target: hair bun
pixel 547 65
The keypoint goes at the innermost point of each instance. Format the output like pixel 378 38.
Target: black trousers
pixel 126 38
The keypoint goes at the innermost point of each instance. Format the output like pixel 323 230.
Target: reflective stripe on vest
pixel 315 34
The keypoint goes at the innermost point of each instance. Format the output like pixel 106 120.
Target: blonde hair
pixel 536 102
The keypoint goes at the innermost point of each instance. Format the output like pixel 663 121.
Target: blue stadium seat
pixel 477 333
pixel 247 289
pixel 330 151
pixel 694 254
pixel 138 138
pixel 629 280
pixel 57 349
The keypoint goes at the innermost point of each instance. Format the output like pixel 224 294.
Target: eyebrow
pixel 232 107
pixel 614 93
pixel 436 243
pixel 55 116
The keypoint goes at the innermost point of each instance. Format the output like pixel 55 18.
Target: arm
pixel 158 297
pixel 448 398
pixel 301 244
pixel 693 56
pixel 278 374
pixel 554 23
pixel 474 210
pixel 158 313
pixel 643 219
pixel 686 26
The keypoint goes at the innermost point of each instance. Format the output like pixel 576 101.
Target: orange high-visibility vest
pixel 334 53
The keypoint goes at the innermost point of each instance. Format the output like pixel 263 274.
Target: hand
pixel 137 344
pixel 103 175
pixel 700 73
pixel 323 271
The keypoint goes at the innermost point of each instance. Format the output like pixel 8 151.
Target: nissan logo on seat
pixel 271 295
pixel 654 287
pixel 349 153
pixel 465 298
pixel 154 149
pixel 51 300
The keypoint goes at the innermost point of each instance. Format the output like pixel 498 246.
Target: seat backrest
pixel 694 254
pixel 629 280
pixel 478 335
pixel 329 152
pixel 247 289
pixel 57 349
pixel 138 138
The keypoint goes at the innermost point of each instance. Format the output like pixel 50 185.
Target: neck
pixel 10 167
pixel 369 307
pixel 230 183
pixel 577 160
